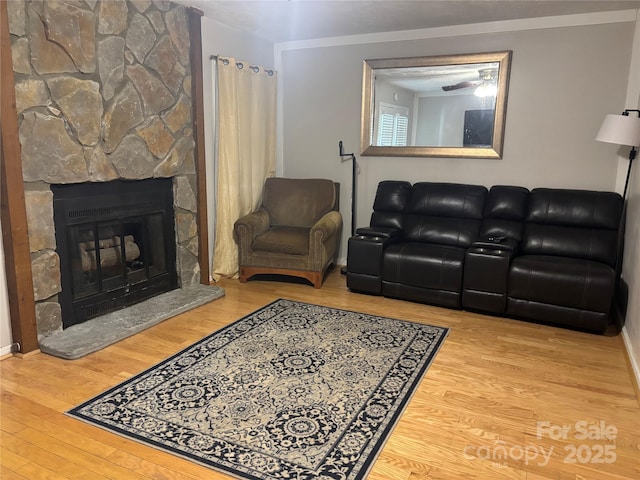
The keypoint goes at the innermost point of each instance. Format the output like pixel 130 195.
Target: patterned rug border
pixel 381 436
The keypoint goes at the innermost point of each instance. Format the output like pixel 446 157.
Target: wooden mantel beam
pixel 195 37
pixel 14 217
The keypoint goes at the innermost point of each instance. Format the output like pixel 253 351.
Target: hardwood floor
pixel 503 399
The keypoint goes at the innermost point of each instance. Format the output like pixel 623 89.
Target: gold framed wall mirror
pixel 439 106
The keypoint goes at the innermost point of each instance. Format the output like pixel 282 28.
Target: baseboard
pixel 28 354
pixel 5 351
pixel 4 355
pixel 632 355
pixel 620 304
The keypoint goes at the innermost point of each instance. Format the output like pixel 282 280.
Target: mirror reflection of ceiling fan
pixel 486 77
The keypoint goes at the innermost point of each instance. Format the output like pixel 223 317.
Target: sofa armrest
pixel 247 228
pixel 486 272
pixel 255 222
pixel 324 239
pixel 325 228
pixel 378 232
pixel 496 243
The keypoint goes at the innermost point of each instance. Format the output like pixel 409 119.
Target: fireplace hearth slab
pixel 95 334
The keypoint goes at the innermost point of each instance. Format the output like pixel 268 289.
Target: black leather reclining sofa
pixel 547 255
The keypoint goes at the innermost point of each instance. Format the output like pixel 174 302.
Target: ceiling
pixel 294 20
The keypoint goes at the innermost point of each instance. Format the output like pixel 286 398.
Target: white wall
pixel 563 82
pixel 631 265
pixel 5 320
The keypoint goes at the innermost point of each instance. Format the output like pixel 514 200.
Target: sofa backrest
pixel 561 222
pixel 391 200
pixel 295 202
pixel 573 223
pixel 504 212
pixel 444 213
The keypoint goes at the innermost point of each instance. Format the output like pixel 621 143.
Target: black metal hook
pixel 341 152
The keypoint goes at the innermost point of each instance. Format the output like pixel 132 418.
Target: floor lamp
pixel 354 172
pixel 622 130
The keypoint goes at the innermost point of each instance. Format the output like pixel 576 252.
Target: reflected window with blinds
pixel 393 124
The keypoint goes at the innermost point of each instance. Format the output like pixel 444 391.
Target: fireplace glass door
pixel 112 254
pixel 116 245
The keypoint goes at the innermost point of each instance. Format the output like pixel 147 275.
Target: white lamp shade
pixel 620 129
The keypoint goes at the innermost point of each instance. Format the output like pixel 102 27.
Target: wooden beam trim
pixel 14 216
pixel 195 37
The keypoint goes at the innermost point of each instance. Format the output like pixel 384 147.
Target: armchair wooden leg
pixel 316 279
pixel 242 276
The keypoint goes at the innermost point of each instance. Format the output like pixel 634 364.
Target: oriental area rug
pixel 291 391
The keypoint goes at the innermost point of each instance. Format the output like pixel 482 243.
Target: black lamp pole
pixel 621 292
pixel 354 172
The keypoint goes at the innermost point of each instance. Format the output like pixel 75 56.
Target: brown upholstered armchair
pixel 296 231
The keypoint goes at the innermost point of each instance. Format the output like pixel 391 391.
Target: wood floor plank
pixel 141 452
pixel 10 426
pixel 46 459
pixel 491 383
pixel 147 468
pixel 70 452
pixel 38 472
pixel 11 460
pixel 62 434
pixel 7 473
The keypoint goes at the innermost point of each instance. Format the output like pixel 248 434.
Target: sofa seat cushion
pixel 562 281
pixel 289 240
pixel 424 265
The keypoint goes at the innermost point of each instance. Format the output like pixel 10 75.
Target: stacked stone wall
pixel 103 92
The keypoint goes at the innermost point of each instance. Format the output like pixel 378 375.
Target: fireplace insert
pixel 116 243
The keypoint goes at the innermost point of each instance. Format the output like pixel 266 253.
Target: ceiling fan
pixel 486 76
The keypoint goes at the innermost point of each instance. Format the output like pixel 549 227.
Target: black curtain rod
pixel 240 65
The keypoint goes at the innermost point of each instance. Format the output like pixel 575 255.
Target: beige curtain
pixel 246 151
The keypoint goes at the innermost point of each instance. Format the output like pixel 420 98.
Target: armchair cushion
pixel 289 240
pixel 293 202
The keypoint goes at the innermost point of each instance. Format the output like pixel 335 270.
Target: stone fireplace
pixel 103 94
